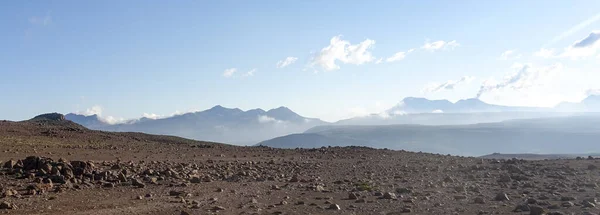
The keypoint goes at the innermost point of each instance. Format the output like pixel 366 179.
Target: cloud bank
pixel 343 51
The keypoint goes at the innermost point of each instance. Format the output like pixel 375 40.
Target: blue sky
pixel 123 59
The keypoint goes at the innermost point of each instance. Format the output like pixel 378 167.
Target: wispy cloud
pixel 544 53
pixel 343 51
pixel 448 85
pixel 231 73
pixel 228 73
pixel 510 54
pixel 398 56
pixel 286 62
pixel 440 45
pixel 574 29
pixel 526 76
pixel 250 73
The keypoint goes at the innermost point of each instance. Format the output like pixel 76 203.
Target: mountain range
pixel 219 124
pixel 557 135
pixel 235 126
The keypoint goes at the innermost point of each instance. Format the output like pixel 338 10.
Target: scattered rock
pixel 7 205
pixel 334 207
pixel 389 195
pixel 501 197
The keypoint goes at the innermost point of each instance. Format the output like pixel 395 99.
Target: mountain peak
pixel 50 117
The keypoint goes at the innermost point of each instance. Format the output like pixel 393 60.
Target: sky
pixel 326 59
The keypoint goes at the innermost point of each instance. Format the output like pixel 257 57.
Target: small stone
pixel 567 204
pixel 138 183
pixel 352 196
pixel 175 193
pixel 10 164
pixel 140 197
pixel 275 187
pixel 218 208
pixel 195 180
pixel 7 205
pixel 502 197
pixel 334 207
pixel 588 204
pixel 536 210
pixel 389 195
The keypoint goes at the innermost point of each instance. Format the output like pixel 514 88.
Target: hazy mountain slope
pixel 422 105
pixel 310 140
pixel 412 110
pixel 219 124
pixel 565 135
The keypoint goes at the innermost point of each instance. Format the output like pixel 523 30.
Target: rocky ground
pixel 55 167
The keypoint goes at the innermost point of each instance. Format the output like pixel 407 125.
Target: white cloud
pixel 151 116
pixel 448 85
pixel 267 119
pixel 45 20
pixel 437 111
pixel 510 54
pixel 524 77
pixel 286 62
pixel 437 45
pixel 544 53
pixel 94 110
pixel 343 51
pixel 228 73
pixel 398 56
pixel 585 47
pixel 591 92
pixel 112 120
pixel 249 73
pixel 98 110
pixel 575 29
pixel 231 73
pixel 379 61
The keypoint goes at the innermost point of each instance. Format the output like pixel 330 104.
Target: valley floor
pixel 137 174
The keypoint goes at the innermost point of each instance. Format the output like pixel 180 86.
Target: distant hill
pixel 589 104
pixel 219 124
pixel 422 105
pixel 412 110
pixel 560 135
pixel 54 128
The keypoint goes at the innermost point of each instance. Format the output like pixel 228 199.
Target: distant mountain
pixel 92 121
pixel 219 124
pixel 589 104
pixel 422 105
pixel 558 135
pixel 412 110
pixel 538 156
